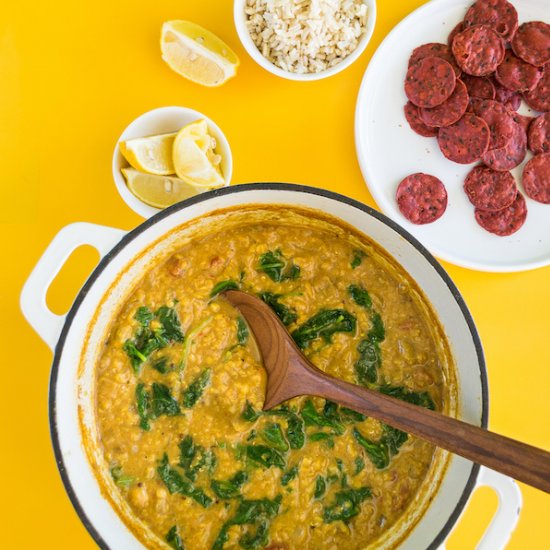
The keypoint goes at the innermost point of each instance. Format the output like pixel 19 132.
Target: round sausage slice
pixel 511 100
pixel 523 121
pixel 478 50
pixel 517 75
pixel 449 111
pixel 503 222
pixel 538 138
pixel 532 43
pixel 490 190
pixel 421 198
pixel 539 97
pixel 412 114
pixel 500 15
pixel 480 87
pixel 457 30
pixel 466 140
pixel 435 49
pixel 430 82
pixel 511 155
pixel 536 178
pixel 499 120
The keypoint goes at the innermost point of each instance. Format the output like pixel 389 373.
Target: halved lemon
pixel 197 54
pixel 195 158
pixel 151 154
pixel 157 191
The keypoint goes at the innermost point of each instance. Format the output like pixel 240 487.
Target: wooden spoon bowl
pixel 291 374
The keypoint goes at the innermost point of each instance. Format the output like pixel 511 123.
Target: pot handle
pixel 510 501
pixel 47 324
pixel 509 506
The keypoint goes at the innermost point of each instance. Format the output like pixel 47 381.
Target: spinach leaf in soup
pixel 255 513
pixel 326 438
pixel 286 314
pixel 162 402
pixel 136 357
pixel 156 331
pixel 194 458
pixel 144 316
pixel 422 399
pixel 346 505
pixel 255 538
pixel 222 286
pixel 277 267
pixel 170 322
pixel 157 402
pixel 359 465
pixel 370 354
pixel 120 478
pixel 173 539
pixel 393 438
pixel 360 296
pixel 314 418
pixel 357 258
pixel 175 483
pixel 242 331
pixel 143 406
pixel 320 487
pixel 195 390
pixel 161 365
pixel 249 413
pixel 323 325
pixel 349 415
pixel 289 475
pixel 295 431
pixel 377 452
pixel 272 434
pixel 265 456
pixel 229 488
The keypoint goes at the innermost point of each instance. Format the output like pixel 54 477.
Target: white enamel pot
pixel 124 259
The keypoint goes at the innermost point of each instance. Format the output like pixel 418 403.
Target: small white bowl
pixel 240 23
pixel 163 121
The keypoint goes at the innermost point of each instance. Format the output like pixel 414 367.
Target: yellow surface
pixel 78 73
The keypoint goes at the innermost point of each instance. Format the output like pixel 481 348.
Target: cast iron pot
pixel 124 259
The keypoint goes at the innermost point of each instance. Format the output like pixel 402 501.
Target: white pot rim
pixel 272 186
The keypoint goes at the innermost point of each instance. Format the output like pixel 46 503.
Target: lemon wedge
pixel 157 191
pixel 195 158
pixel 197 54
pixel 151 154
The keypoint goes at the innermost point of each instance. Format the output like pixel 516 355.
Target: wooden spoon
pixel 290 374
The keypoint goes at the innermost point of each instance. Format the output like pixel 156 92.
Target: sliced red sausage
pixel 490 190
pixel 478 50
pixel 532 43
pixel 500 15
pixel 449 111
pixel 435 49
pixel 466 140
pixel 517 75
pixel 503 222
pixel 412 114
pixel 536 178
pixel 539 134
pixel 539 97
pixel 421 198
pixel 430 82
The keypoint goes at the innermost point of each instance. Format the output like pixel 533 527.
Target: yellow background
pixel 72 76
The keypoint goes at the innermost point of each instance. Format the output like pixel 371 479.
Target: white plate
pixel 388 150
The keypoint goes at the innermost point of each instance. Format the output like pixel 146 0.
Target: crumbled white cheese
pixel 306 36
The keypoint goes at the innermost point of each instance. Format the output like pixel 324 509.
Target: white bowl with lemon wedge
pixel 167 155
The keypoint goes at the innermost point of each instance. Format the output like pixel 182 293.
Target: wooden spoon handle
pixel 518 460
